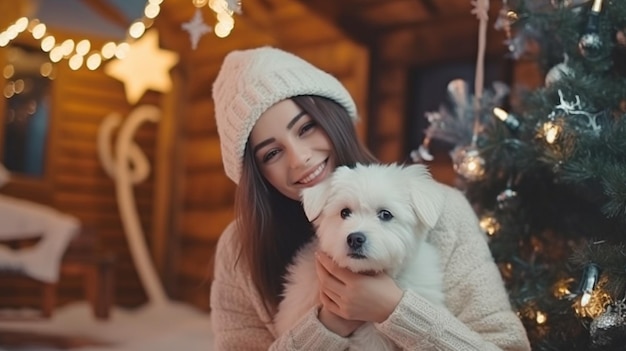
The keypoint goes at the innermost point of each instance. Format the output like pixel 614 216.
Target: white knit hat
pixel 250 82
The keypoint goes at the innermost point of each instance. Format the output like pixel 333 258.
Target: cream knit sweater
pixel 478 315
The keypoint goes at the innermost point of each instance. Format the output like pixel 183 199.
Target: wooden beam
pixel 431 7
pixel 421 44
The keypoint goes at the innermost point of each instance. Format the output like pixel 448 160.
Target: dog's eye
pixel 345 213
pixel 384 215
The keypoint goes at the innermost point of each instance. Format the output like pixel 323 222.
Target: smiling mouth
pixel 314 174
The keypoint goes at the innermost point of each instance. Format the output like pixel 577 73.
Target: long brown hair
pixel 272 227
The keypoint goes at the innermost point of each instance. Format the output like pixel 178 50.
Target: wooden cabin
pixel 384 51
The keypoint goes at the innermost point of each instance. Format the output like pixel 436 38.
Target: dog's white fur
pixel 394 245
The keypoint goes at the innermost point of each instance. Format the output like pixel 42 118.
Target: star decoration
pixel 145 66
pixel 196 28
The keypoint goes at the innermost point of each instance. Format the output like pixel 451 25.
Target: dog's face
pixel 370 218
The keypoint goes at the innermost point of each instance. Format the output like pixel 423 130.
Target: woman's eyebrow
pixel 295 119
pixel 261 144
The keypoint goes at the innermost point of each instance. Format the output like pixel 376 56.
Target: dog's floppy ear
pixel 314 199
pixel 426 194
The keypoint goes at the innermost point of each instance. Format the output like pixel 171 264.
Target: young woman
pixel 285 125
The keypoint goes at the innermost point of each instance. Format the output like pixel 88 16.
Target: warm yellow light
pixel 56 54
pixel 21 24
pixel 18 86
pixel 45 69
pixel 12 32
pixel 122 50
pixel 224 17
pixel 76 61
pixel 39 31
pixel 489 224
pixel 551 131
pixel 138 73
pixel 137 29
pixel 200 3
pixel 67 47
pixel 48 43
pixel 8 71
pixel 541 317
pixel 83 47
pixel 584 300
pixel 218 6
pixel 8 90
pixel 94 61
pixel 561 288
pixel 222 30
pixel 108 50
pixel 4 39
pixel 152 10
pixel 500 113
pixel 594 305
pixel 33 23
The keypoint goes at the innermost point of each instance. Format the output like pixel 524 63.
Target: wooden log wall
pixel 187 200
pixel 76 183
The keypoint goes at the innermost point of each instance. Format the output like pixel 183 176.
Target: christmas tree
pixel 546 170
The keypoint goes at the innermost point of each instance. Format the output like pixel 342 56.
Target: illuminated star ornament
pixel 196 28
pixel 144 67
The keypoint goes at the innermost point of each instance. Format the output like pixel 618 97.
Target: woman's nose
pixel 299 156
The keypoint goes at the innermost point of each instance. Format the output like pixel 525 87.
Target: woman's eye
pixel 268 156
pixel 307 127
pixel 345 213
pixel 384 215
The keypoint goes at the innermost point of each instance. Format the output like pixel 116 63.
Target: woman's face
pixel 292 151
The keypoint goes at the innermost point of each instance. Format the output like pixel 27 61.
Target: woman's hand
pixel 353 296
pixel 336 324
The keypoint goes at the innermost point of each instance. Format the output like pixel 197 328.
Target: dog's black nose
pixel 356 240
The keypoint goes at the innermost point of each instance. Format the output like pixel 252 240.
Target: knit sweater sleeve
pixel 478 315
pixel 239 320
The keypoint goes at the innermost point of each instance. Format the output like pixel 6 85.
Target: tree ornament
pixel 422 153
pixel 590 43
pixel 196 28
pixel 507 199
pixel 140 74
pixel 608 330
pixel 559 72
pixel 467 162
pixel 590 277
pixel 458 92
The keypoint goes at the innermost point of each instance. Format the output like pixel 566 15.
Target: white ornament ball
pixel 557 73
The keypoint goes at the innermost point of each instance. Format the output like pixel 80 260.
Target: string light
pixel 508 119
pixel 81 51
pixel 551 131
pixel 489 224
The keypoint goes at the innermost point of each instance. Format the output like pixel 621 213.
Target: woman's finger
pixel 341 274
pixel 329 285
pixel 324 275
pixel 328 303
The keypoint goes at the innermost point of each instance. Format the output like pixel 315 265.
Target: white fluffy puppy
pixel 368 218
